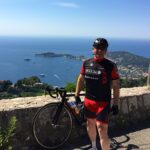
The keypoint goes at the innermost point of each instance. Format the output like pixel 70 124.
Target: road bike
pixel 53 123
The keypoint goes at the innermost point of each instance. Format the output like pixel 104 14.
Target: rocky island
pixel 52 54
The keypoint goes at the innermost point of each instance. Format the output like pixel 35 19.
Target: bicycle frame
pixel 64 103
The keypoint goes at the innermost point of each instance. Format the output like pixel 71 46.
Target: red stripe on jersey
pixel 82 71
pixel 114 74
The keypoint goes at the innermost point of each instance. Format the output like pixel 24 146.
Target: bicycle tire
pixel 45 134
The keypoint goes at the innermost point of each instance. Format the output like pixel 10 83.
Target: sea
pixel 57 71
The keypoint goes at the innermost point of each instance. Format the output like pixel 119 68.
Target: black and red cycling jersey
pixel 98 77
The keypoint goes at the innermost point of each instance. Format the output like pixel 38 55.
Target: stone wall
pixel 133 107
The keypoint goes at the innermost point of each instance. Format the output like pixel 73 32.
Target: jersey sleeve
pixel 114 73
pixel 82 71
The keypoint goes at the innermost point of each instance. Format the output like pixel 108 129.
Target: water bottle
pixel 75 107
pixel 72 105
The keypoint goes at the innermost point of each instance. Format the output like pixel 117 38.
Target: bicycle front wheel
pixel 48 134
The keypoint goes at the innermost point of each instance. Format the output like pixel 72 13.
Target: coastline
pixel 66 69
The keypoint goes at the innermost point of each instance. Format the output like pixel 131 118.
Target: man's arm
pixel 80 84
pixel 116 91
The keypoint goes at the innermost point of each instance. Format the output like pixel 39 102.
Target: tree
pixel 125 83
pixel 70 87
pixel 4 85
pixel 30 81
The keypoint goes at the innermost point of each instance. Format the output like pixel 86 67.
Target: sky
pixel 75 18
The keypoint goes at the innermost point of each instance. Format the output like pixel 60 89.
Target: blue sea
pixel 58 71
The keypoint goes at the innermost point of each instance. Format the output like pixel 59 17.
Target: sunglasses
pixel 100 48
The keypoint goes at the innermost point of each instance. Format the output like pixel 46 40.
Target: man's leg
pixel 103 133
pixel 91 129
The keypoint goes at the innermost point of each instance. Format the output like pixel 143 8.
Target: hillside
pixel 125 58
pixel 130 65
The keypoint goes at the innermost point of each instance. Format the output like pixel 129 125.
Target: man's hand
pixel 77 99
pixel 115 109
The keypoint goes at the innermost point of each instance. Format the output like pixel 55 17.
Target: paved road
pixel 135 137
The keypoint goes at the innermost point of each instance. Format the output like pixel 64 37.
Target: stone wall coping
pixel 135 91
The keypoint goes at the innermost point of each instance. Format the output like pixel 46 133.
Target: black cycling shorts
pixel 97 110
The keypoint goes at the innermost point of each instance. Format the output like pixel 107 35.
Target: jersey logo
pixel 91 64
pixel 93 72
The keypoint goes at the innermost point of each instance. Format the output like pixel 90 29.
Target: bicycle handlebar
pixel 60 91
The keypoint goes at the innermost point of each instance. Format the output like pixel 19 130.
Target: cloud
pixel 67 5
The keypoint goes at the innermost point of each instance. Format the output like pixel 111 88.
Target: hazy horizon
pixel 109 19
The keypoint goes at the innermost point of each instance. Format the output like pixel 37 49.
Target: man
pixel 100 75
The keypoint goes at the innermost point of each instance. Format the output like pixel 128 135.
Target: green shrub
pixel 70 87
pixel 30 81
pixel 126 83
pixel 5 95
pixel 6 133
pixel 13 90
pixel 4 85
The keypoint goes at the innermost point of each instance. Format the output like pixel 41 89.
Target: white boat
pixel 42 75
pixel 27 59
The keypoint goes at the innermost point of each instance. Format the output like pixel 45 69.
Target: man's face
pixel 99 53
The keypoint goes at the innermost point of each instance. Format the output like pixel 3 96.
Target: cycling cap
pixel 100 43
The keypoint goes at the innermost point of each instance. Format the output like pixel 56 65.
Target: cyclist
pixel 100 75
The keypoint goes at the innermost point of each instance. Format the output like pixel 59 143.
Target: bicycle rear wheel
pixel 47 134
